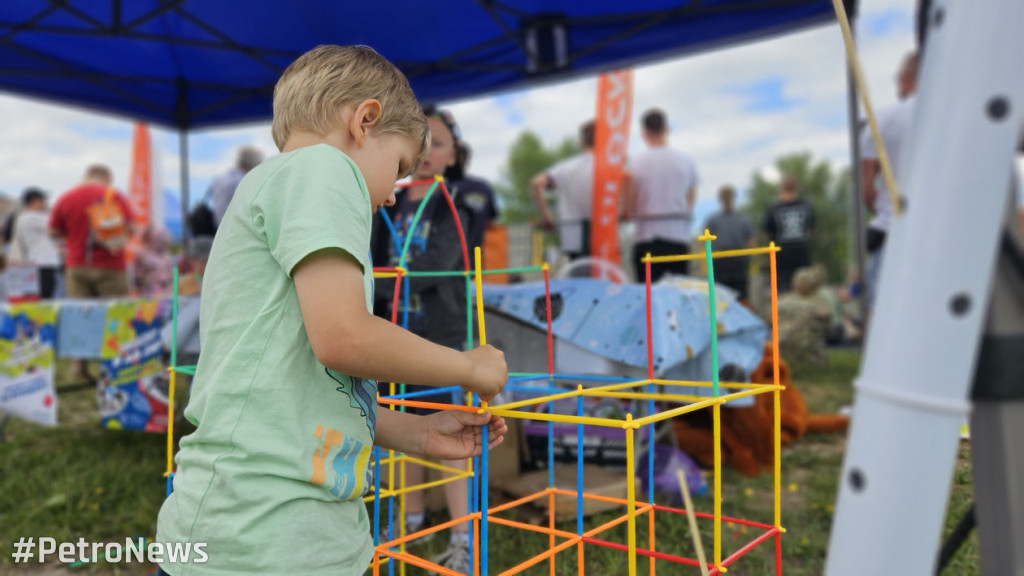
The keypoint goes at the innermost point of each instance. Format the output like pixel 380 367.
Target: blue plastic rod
pixel 579 467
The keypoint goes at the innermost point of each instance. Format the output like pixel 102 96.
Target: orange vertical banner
pixel 611 140
pixel 140 187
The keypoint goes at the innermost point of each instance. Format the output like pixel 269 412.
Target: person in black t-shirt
pixel 789 223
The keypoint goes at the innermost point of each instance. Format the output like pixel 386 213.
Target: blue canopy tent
pixel 203 63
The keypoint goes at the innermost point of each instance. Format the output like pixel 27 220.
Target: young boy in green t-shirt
pixel 284 399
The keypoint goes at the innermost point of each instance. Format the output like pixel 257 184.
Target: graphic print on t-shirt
pixel 792 224
pixel 347 457
pixel 362 396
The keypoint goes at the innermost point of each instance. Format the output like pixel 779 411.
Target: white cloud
pixel 49 146
pixel 706 113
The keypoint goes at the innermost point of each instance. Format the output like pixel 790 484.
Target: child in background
pixel 437 306
pixel 190 283
pixel 31 242
pixel 284 397
pixel 152 275
pixel 803 321
pixel 190 278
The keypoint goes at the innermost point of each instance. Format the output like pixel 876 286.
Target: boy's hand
pixel 454 434
pixel 489 372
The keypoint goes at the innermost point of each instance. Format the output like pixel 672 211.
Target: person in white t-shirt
pixel 573 181
pixel 31 243
pixel 895 124
pixel 660 197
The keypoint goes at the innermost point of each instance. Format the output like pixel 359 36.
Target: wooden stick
pixel 697 543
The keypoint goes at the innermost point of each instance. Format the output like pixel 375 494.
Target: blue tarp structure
pixel 610 320
pixel 201 63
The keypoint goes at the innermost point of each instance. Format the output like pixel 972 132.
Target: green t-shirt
pixel 272 477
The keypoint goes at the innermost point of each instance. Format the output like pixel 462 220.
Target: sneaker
pixel 455 558
pixel 410 528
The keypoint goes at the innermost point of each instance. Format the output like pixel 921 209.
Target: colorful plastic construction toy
pixel 392 549
pixel 389 467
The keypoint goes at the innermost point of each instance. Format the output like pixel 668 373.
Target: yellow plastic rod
pixel 706 384
pixel 648 396
pixel 777 400
pixel 170 425
pixel 717 426
pixel 564 418
pixel 537 400
pixel 479 298
pixel 677 411
pixel 478 278
pixel 719 254
pixel 630 496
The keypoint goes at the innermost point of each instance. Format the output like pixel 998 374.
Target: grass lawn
pixel 78 480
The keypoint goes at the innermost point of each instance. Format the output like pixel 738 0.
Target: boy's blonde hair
pixel 316 87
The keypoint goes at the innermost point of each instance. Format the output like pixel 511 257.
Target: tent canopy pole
pixel 186 228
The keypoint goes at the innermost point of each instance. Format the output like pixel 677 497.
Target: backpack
pixel 201 221
pixel 8 227
pixel 107 223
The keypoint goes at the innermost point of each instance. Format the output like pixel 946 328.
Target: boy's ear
pixel 366 116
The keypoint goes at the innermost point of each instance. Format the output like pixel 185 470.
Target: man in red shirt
pixel 92 271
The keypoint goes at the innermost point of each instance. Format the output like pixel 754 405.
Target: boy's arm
pixel 348 339
pixel 450 434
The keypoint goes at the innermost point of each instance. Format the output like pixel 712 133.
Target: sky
pixel 734 111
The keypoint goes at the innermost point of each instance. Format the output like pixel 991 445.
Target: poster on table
pixel 133 383
pixel 27 344
pixel 79 327
pixel 22 284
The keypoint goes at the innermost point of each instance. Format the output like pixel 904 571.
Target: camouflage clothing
pixel 803 322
